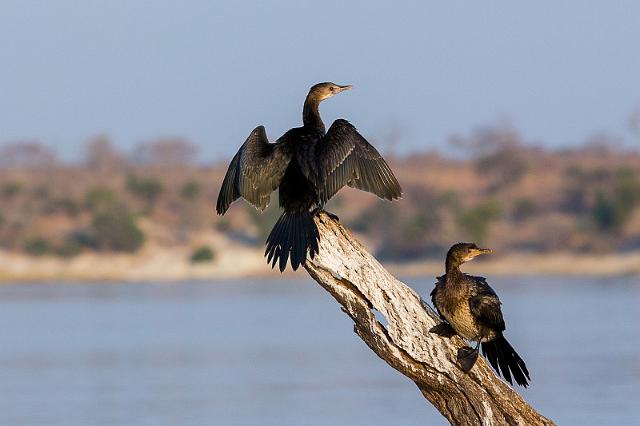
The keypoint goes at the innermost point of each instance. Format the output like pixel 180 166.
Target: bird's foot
pixel 467 358
pixel 443 329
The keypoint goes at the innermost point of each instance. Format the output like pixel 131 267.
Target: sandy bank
pixel 172 264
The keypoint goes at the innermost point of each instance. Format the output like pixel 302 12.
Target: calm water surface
pixel 282 353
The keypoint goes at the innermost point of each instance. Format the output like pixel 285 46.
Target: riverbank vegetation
pixel 504 192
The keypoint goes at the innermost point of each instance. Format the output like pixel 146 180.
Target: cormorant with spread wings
pixel 308 166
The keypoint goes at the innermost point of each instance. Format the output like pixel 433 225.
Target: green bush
pixel 475 220
pixel 380 216
pixel 450 199
pixel 614 206
pixel 97 199
pixel 627 189
pixel 148 189
pixel 606 214
pixel 68 249
pixel 116 229
pixel 191 190
pixel 37 246
pixel 64 205
pixel 202 254
pixel 421 224
pixel 10 189
pixel 524 209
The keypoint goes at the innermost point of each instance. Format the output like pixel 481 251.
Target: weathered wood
pixel 361 285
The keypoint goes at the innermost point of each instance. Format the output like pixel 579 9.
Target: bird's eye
pixel 332 88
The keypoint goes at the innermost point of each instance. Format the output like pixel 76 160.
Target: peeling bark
pixel 360 284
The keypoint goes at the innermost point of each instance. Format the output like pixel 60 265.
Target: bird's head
pixel 464 252
pixel 322 91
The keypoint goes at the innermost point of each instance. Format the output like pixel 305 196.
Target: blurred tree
pixel 102 155
pixel 37 246
pixel 627 189
pixel 377 219
pixel 607 214
pixel 523 209
pixel 64 205
pixel 100 198
pixel 116 229
pixel 26 155
pixel 602 144
pixel 576 192
pixel 475 220
pixel 166 153
pixel 191 190
pixel 411 238
pixel 145 188
pixel 11 189
pixel 616 201
pixel 498 152
pixel 70 248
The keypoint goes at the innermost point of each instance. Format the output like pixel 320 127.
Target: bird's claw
pixel 467 358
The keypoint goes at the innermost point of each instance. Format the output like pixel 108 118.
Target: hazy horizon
pixel 210 73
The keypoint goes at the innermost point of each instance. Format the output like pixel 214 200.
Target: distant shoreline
pixel 163 264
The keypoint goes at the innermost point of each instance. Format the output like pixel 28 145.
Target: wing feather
pixel 485 305
pixel 255 171
pixel 346 158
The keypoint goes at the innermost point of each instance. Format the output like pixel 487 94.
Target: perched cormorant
pixel 472 310
pixel 308 166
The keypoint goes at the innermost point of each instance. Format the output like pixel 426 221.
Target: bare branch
pixel 360 284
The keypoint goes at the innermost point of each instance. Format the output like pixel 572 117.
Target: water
pixel 282 353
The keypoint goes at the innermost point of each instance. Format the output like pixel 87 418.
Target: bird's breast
pixel 455 309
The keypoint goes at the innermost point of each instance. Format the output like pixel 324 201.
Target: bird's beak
pixel 343 88
pixel 483 251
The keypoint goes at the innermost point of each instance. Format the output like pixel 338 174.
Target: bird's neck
pixel 311 114
pixel 452 268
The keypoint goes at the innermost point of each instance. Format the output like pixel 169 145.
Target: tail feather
pixel 299 234
pixel 293 235
pixel 505 360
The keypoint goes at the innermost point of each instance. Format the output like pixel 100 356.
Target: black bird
pixel 472 310
pixel 308 166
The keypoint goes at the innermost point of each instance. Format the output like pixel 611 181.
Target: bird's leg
pixel 467 357
pixel 443 329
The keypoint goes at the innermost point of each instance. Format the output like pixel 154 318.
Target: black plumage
pixel 472 310
pixel 308 166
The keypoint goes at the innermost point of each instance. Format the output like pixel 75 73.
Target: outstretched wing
pixel 346 158
pixel 255 171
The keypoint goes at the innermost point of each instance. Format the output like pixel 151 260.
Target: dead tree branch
pixel 360 284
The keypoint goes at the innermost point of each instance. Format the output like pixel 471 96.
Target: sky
pixel 210 71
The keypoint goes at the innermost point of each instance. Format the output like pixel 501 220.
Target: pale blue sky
pixel 212 70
